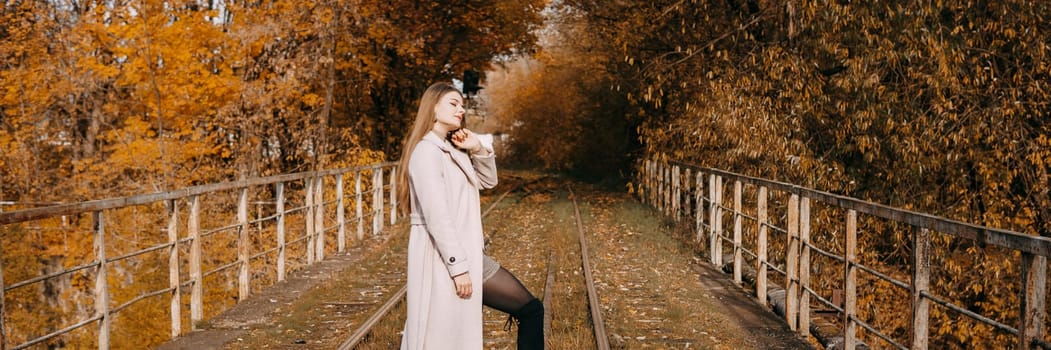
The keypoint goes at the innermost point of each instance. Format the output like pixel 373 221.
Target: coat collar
pixel 462 160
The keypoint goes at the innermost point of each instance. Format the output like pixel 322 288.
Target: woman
pixel 445 170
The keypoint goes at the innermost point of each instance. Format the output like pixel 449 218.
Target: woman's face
pixel 449 112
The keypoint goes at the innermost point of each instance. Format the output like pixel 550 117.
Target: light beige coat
pixel 445 240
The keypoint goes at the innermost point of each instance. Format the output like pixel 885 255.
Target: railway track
pixel 601 341
pixel 610 273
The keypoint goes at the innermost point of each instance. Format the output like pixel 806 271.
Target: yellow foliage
pixel 109 99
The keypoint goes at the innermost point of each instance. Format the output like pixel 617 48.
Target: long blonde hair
pixel 423 124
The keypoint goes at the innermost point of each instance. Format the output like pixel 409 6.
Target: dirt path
pixel 654 291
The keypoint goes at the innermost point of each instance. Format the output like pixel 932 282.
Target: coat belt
pixel 417 220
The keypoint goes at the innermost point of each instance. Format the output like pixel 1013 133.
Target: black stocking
pixel 504 292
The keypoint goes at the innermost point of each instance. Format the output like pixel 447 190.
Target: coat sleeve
pixel 428 181
pixel 485 167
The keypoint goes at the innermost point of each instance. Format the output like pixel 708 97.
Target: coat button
pixel 452 259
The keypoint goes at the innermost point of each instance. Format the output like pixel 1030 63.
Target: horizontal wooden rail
pixel 702 189
pixel 50 276
pixel 10 217
pixel 57 333
pixel 323 196
pixel 1036 245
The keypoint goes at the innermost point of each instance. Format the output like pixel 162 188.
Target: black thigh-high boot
pixel 531 325
pixel 504 292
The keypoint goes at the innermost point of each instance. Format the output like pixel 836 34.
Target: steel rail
pixel 599 326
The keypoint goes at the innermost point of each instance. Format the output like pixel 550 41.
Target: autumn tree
pixel 559 106
pixel 938 107
pixel 401 45
pixel 113 98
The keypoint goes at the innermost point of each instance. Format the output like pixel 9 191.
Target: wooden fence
pixel 682 190
pixel 312 212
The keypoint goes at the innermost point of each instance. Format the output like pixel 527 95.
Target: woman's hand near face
pixel 463 285
pixel 465 139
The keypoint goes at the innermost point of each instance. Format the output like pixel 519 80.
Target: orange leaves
pixel 106 99
pixel 936 107
pixel 264 81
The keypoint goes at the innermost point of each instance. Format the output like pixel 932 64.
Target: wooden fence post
pixel 3 334
pixel 667 190
pixel 358 204
pixel 686 207
pixel 662 191
pixel 792 264
pixel 1034 280
pixel 675 204
pixel 242 246
pixel 719 220
pixel 850 279
pixel 644 182
pixel 698 193
pixel 712 212
pixel 647 188
pixel 308 217
pixel 101 284
pixel 377 200
pixel 193 228
pixel 921 283
pixel 173 267
pixel 652 179
pixel 380 207
pixel 655 185
pixel 393 195
pixel 319 217
pixel 760 264
pixel 341 220
pixel 804 266
pixel 660 188
pixel 738 217
pixel 280 209
pixel 383 208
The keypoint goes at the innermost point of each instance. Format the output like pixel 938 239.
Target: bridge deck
pixel 655 290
